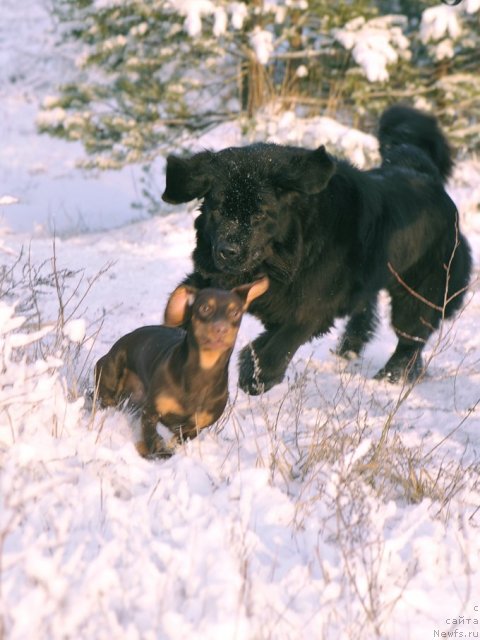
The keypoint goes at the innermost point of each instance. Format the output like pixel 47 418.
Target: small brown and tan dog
pixel 177 373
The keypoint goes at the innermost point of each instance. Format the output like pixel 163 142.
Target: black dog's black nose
pixel 226 251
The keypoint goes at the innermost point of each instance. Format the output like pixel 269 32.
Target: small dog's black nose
pixel 226 251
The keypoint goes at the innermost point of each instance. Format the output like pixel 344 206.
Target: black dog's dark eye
pixel 215 200
pixel 258 217
pixel 214 214
pixel 280 191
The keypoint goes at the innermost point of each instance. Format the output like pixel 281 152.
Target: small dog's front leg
pixel 152 445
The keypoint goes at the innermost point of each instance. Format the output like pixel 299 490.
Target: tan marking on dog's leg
pixel 167 404
pixel 204 419
pixel 141 447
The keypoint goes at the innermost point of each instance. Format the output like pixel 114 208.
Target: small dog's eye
pixel 235 314
pixel 205 309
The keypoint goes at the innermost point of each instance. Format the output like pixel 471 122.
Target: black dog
pixel 329 237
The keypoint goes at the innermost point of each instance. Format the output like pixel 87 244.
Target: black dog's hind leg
pixel 420 301
pixel 406 362
pixel 416 313
pixel 359 330
pixel 262 363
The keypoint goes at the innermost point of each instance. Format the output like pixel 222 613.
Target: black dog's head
pixel 247 193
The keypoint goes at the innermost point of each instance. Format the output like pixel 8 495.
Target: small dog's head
pixel 248 193
pixel 212 317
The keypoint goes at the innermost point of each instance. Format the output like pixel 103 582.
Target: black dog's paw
pixel 345 353
pixel 252 378
pixel 350 346
pixel 401 370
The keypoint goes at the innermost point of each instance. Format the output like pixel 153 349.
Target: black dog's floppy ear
pixel 187 178
pixel 248 292
pixel 178 304
pixel 309 172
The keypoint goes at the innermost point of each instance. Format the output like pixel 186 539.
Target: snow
pixel 261 42
pixel 441 25
pixel 374 44
pixel 75 330
pixel 472 6
pixel 440 21
pixel 285 520
pixel 39 171
pixel 5 200
pixel 264 525
pixel 239 13
pixel 220 24
pixel 361 148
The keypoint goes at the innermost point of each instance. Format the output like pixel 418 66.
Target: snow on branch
pixel 442 25
pixel 375 44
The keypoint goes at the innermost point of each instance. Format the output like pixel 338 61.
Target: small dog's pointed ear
pixel 187 178
pixel 178 305
pixel 249 292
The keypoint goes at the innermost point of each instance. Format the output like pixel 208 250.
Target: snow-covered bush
pixel 41 347
pixel 154 73
pixel 187 63
pixel 33 395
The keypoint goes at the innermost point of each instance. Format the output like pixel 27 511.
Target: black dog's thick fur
pixel 329 237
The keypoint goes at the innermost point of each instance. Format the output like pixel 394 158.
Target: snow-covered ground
pixel 333 507
pixel 288 519
pixel 53 194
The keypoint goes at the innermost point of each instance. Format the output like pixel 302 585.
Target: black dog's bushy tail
pixel 404 130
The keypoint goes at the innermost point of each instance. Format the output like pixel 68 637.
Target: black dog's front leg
pixel 263 362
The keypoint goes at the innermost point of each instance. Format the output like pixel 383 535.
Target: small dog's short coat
pixel 178 376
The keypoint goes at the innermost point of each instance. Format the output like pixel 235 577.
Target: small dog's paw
pixel 142 449
pixel 158 448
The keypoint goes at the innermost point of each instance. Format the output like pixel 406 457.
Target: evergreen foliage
pixel 153 71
